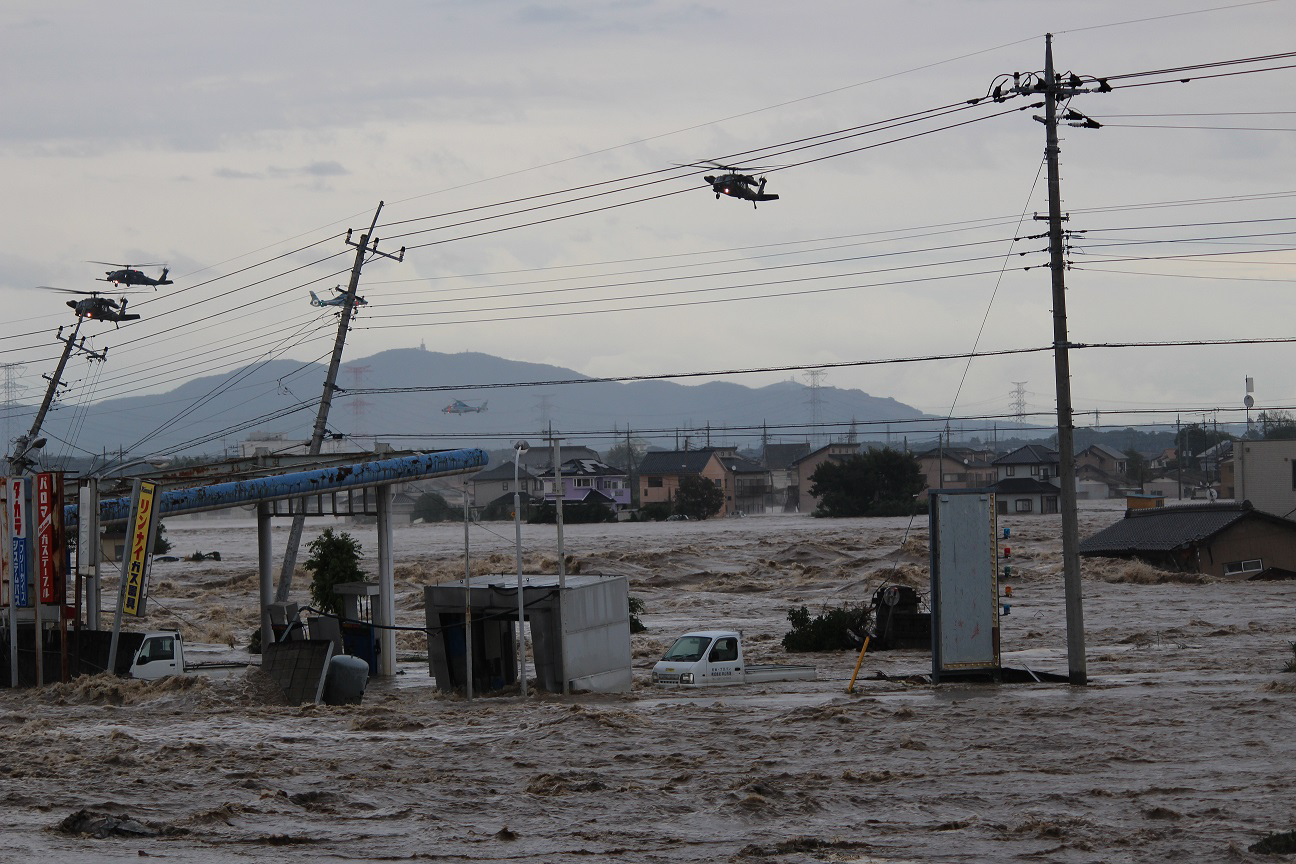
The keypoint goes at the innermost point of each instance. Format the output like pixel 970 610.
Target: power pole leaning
pixel 363 247
pixel 19 460
pixel 1054 88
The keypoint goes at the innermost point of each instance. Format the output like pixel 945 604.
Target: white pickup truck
pixel 714 658
pixel 162 654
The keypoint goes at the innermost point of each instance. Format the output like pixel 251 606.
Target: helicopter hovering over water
pixel 736 184
pixel 130 274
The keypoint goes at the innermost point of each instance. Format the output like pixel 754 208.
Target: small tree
pixel 698 498
pixel 334 558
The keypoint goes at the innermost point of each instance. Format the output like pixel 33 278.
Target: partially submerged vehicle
pixel 714 658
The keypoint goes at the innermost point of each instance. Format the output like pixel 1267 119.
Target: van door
pixel 723 665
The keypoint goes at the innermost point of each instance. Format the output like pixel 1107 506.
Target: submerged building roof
pixel 1164 529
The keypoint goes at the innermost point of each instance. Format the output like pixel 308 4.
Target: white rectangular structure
pixel 964 583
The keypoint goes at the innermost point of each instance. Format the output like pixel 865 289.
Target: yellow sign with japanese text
pixel 140 547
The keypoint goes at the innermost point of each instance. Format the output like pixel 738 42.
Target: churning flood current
pixel 1180 748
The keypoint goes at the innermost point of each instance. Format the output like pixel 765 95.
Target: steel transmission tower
pixel 1017 403
pixel 815 377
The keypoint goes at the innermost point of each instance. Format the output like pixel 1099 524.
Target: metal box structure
pixel 585 628
pixel 964 583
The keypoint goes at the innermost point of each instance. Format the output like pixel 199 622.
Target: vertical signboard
pixel 50 555
pixel 141 542
pixel 964 583
pixel 18 531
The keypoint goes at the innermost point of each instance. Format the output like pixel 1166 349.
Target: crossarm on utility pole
pixel 363 246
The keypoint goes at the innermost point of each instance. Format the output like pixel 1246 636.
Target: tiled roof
pixel 1030 454
pixel 503 471
pixel 1109 452
pixel 675 462
pixel 782 455
pixel 1163 529
pixel 739 465
pixel 586 468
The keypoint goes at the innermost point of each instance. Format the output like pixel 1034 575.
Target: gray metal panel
pixel 965 612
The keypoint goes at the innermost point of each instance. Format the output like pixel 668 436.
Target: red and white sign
pixel 50 579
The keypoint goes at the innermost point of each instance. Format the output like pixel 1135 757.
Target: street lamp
pixel 518 449
pixel 23 450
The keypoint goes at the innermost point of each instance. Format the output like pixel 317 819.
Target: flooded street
pixel 1180 748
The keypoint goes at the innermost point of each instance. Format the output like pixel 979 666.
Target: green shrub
pixel 577 513
pixel 636 607
pixel 657 511
pixel 831 630
pixel 334 558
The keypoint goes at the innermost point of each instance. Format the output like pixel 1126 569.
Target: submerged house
pixel 1230 539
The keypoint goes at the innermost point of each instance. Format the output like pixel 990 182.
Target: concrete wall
pixel 1264 475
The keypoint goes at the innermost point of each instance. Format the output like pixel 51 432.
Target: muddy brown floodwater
pixel 1181 748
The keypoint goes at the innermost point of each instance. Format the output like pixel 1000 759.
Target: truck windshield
pixel 687 649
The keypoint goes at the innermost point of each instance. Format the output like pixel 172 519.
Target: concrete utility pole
pixel 18 461
pixel 363 247
pixel 1056 88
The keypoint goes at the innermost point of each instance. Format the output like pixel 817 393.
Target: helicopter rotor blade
pixel 64 290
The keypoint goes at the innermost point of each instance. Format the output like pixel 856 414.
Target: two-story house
pixel 745 483
pixel 660 472
pixel 495 481
pixel 1027 480
pixel 589 480
pixel 778 458
pixel 956 468
pixel 1100 472
pixel 804 467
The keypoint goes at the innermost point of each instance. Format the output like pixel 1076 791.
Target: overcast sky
pixel 235 142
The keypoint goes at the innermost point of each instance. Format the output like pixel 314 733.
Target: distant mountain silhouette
pixel 210 414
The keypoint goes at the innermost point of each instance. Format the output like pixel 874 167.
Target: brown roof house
pixel 955 468
pixel 1232 540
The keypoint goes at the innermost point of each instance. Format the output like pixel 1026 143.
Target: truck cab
pixel 706 658
pixel 159 655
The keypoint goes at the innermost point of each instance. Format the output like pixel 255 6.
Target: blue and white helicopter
pixel 338 299
pixel 458 407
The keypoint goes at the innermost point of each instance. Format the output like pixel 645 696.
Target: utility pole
pixel 363 247
pixel 18 459
pixel 1057 88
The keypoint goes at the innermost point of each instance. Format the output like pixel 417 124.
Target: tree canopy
pixel 698 498
pixel 874 483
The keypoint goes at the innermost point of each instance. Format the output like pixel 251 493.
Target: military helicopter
pixel 129 274
pixel 735 184
pixel 337 300
pixel 457 407
pixel 96 307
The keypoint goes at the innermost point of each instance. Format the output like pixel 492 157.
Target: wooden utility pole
pixel 365 246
